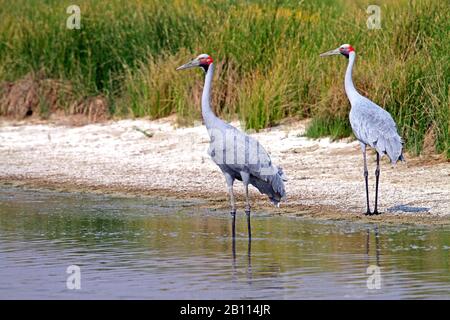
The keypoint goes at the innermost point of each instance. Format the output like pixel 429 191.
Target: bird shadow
pixel 409 209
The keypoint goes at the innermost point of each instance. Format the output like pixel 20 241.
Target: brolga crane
pixel 372 125
pixel 238 155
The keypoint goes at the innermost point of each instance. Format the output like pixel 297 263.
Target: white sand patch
pixel 320 172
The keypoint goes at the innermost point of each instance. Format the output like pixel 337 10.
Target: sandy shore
pixel 325 178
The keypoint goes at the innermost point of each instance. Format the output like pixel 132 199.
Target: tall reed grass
pixel 266 53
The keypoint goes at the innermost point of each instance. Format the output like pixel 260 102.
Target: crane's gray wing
pixel 239 152
pixel 374 126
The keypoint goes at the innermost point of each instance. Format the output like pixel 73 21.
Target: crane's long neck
pixel 349 87
pixel 207 113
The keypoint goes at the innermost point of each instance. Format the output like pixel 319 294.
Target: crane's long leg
pixel 247 211
pixel 377 179
pixel 230 181
pixel 245 179
pixel 366 177
pixel 233 211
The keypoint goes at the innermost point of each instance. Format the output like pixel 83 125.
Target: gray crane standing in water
pixel 372 125
pixel 238 155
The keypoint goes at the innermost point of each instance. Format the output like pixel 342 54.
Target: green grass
pixel 266 55
pixel 337 128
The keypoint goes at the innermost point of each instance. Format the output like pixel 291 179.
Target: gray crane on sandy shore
pixel 238 155
pixel 372 125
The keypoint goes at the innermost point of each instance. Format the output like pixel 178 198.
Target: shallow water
pixel 153 249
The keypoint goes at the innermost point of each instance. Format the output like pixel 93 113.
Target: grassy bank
pixel 266 54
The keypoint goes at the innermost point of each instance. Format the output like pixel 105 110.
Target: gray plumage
pixel 375 127
pixel 238 155
pixel 372 125
pixel 256 160
pixel 236 146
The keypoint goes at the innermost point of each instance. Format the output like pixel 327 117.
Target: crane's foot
pixel 368 213
pixel 376 212
pixel 233 213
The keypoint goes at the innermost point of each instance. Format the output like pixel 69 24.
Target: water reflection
pixel 377 246
pixel 135 248
pixel 233 247
pixel 249 265
pixel 249 258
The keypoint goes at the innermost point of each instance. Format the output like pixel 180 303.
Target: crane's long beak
pixel 190 64
pixel 330 53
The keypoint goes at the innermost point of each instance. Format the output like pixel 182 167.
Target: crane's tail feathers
pixel 271 185
pixel 282 174
pixel 392 146
pixel 278 183
pixel 400 158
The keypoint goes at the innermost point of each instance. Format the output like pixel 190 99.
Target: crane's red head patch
pixel 345 49
pixel 204 61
